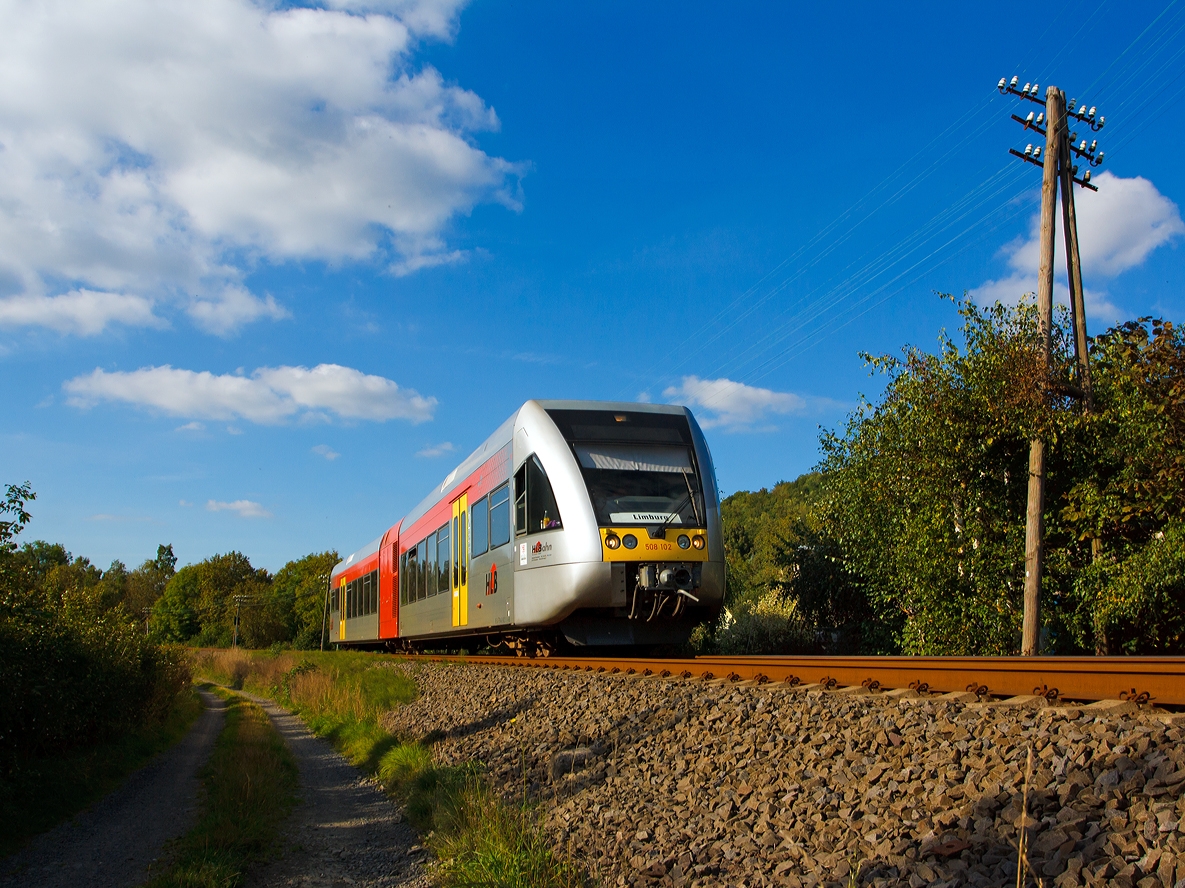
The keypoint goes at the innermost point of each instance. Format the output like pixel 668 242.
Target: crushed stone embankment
pixel 653 782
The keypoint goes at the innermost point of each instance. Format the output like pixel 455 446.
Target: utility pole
pixel 1056 167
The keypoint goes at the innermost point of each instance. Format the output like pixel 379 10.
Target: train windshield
pixel 640 468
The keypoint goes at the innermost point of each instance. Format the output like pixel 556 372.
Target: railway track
pixel 1159 681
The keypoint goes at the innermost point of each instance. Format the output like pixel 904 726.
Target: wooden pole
pixel 1074 276
pixel 325 610
pixel 1034 514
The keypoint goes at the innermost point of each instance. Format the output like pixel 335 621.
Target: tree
pixel 146 584
pixel 300 587
pixel 925 491
pixel 198 604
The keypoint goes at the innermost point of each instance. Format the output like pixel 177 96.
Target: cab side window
pixel 535 508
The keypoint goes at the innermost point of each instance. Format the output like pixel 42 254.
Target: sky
pixel 269 272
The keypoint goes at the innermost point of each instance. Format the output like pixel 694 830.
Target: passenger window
pixel 374 591
pixel 403 579
pixel 500 517
pixel 430 564
pixel 479 526
pixel 412 574
pixel 333 599
pixel 442 559
pixel 422 590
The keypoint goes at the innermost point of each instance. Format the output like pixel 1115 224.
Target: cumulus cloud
pixel 269 396
pixel 163 150
pixel 243 508
pixel 732 405
pixel 1118 227
pixel 233 308
pixel 80 312
pixel 435 450
pixel 326 451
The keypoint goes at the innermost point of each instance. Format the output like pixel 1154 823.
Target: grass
pixel 45 792
pixel 249 786
pixel 478 838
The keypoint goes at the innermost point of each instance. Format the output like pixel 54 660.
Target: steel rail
pixel 1156 680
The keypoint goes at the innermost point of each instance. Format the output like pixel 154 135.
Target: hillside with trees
pixel 910 536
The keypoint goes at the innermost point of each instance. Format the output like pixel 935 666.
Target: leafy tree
pixel 198 605
pixel 300 587
pixel 146 584
pixel 75 667
pixel 925 491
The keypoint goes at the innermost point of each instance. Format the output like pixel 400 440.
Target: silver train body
pixel 576 523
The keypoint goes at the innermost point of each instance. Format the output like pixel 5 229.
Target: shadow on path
pixel 115 842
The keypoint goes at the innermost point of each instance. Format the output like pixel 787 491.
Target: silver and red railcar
pixel 580 523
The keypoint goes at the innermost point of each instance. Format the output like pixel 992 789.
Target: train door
pixel 460 537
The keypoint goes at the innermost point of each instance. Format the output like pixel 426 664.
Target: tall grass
pixel 479 839
pixel 249 786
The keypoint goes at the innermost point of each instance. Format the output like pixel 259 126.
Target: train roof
pixel 501 436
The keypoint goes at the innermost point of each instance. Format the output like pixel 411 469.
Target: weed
pixel 479 839
pixel 249 786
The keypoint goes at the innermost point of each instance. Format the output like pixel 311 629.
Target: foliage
pixel 772 624
pixel 200 601
pixel 250 786
pixel 788 591
pixel 924 492
pixel 77 669
pixel 299 592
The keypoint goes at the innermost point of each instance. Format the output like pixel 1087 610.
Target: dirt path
pixel 114 843
pixel 345 831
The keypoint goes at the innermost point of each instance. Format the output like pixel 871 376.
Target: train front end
pixel 635 491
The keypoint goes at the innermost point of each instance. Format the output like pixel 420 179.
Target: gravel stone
pixel 115 842
pixel 651 782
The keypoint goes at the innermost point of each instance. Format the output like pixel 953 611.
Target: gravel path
pixel 345 831
pixel 115 842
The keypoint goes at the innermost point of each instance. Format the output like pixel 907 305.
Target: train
pixel 575 525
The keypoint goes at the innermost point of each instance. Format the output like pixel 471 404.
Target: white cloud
pixel 233 308
pixel 326 451
pixel 268 396
pixel 190 427
pixel 80 312
pixel 437 450
pixel 732 405
pixel 1118 227
pixel 244 508
pixel 165 149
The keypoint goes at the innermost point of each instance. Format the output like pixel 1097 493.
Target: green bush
pixel 75 666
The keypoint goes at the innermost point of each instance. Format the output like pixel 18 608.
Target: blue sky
pixel 267 273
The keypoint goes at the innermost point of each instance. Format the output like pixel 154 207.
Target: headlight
pixel 612 541
pixel 698 541
pixel 629 541
pixel 683 541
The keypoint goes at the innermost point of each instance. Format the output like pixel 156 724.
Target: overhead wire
pixel 826 297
